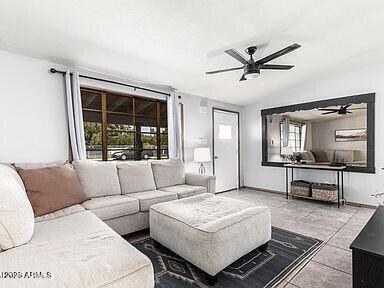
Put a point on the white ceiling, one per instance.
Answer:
(175, 42)
(316, 115)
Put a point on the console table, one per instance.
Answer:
(338, 169)
(368, 253)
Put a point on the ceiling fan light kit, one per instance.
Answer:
(251, 67)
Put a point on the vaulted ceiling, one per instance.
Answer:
(175, 42)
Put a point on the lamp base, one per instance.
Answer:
(202, 169)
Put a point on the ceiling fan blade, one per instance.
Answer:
(326, 109)
(236, 54)
(278, 53)
(326, 113)
(362, 108)
(223, 70)
(242, 78)
(276, 67)
(345, 107)
(349, 112)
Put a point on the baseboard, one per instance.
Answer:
(264, 190)
(281, 192)
(362, 205)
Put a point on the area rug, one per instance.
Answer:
(286, 251)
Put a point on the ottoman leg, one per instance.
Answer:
(212, 280)
(264, 247)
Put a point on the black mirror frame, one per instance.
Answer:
(368, 98)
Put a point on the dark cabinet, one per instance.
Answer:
(368, 253)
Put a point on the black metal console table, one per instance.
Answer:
(338, 169)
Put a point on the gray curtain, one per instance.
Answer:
(285, 121)
(174, 145)
(304, 137)
(75, 116)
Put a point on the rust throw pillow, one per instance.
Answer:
(52, 188)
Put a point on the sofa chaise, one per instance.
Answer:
(80, 246)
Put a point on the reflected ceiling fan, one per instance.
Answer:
(343, 110)
(251, 67)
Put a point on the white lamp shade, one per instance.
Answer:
(202, 155)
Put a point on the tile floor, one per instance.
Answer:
(331, 266)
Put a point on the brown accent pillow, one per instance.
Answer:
(52, 188)
(320, 156)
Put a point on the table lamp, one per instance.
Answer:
(202, 155)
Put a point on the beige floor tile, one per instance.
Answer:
(335, 257)
(322, 221)
(330, 266)
(339, 214)
(310, 230)
(344, 237)
(315, 275)
(289, 285)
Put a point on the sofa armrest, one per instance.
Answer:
(208, 181)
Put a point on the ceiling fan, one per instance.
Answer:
(343, 110)
(251, 67)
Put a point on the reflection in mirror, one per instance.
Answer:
(332, 135)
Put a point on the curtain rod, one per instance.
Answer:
(53, 70)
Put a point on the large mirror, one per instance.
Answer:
(330, 132)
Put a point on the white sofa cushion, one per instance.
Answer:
(135, 176)
(11, 171)
(210, 231)
(60, 213)
(168, 172)
(185, 190)
(109, 207)
(16, 214)
(148, 198)
(80, 251)
(98, 178)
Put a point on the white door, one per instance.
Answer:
(226, 141)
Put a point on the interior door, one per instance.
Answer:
(226, 150)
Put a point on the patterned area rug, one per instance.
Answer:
(286, 251)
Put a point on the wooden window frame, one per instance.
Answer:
(104, 120)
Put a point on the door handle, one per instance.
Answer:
(216, 157)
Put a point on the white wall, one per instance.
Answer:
(199, 125)
(33, 121)
(32, 111)
(359, 186)
(323, 135)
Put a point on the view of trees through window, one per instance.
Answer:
(124, 127)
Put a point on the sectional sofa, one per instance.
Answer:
(80, 246)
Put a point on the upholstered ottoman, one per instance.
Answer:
(210, 231)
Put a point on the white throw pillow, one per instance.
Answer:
(17, 221)
(168, 172)
(135, 177)
(98, 178)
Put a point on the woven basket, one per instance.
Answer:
(324, 192)
(301, 188)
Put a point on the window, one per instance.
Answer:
(225, 132)
(124, 127)
(294, 140)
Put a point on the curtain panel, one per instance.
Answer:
(174, 129)
(75, 116)
(285, 121)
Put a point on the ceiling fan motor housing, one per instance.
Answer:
(251, 70)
